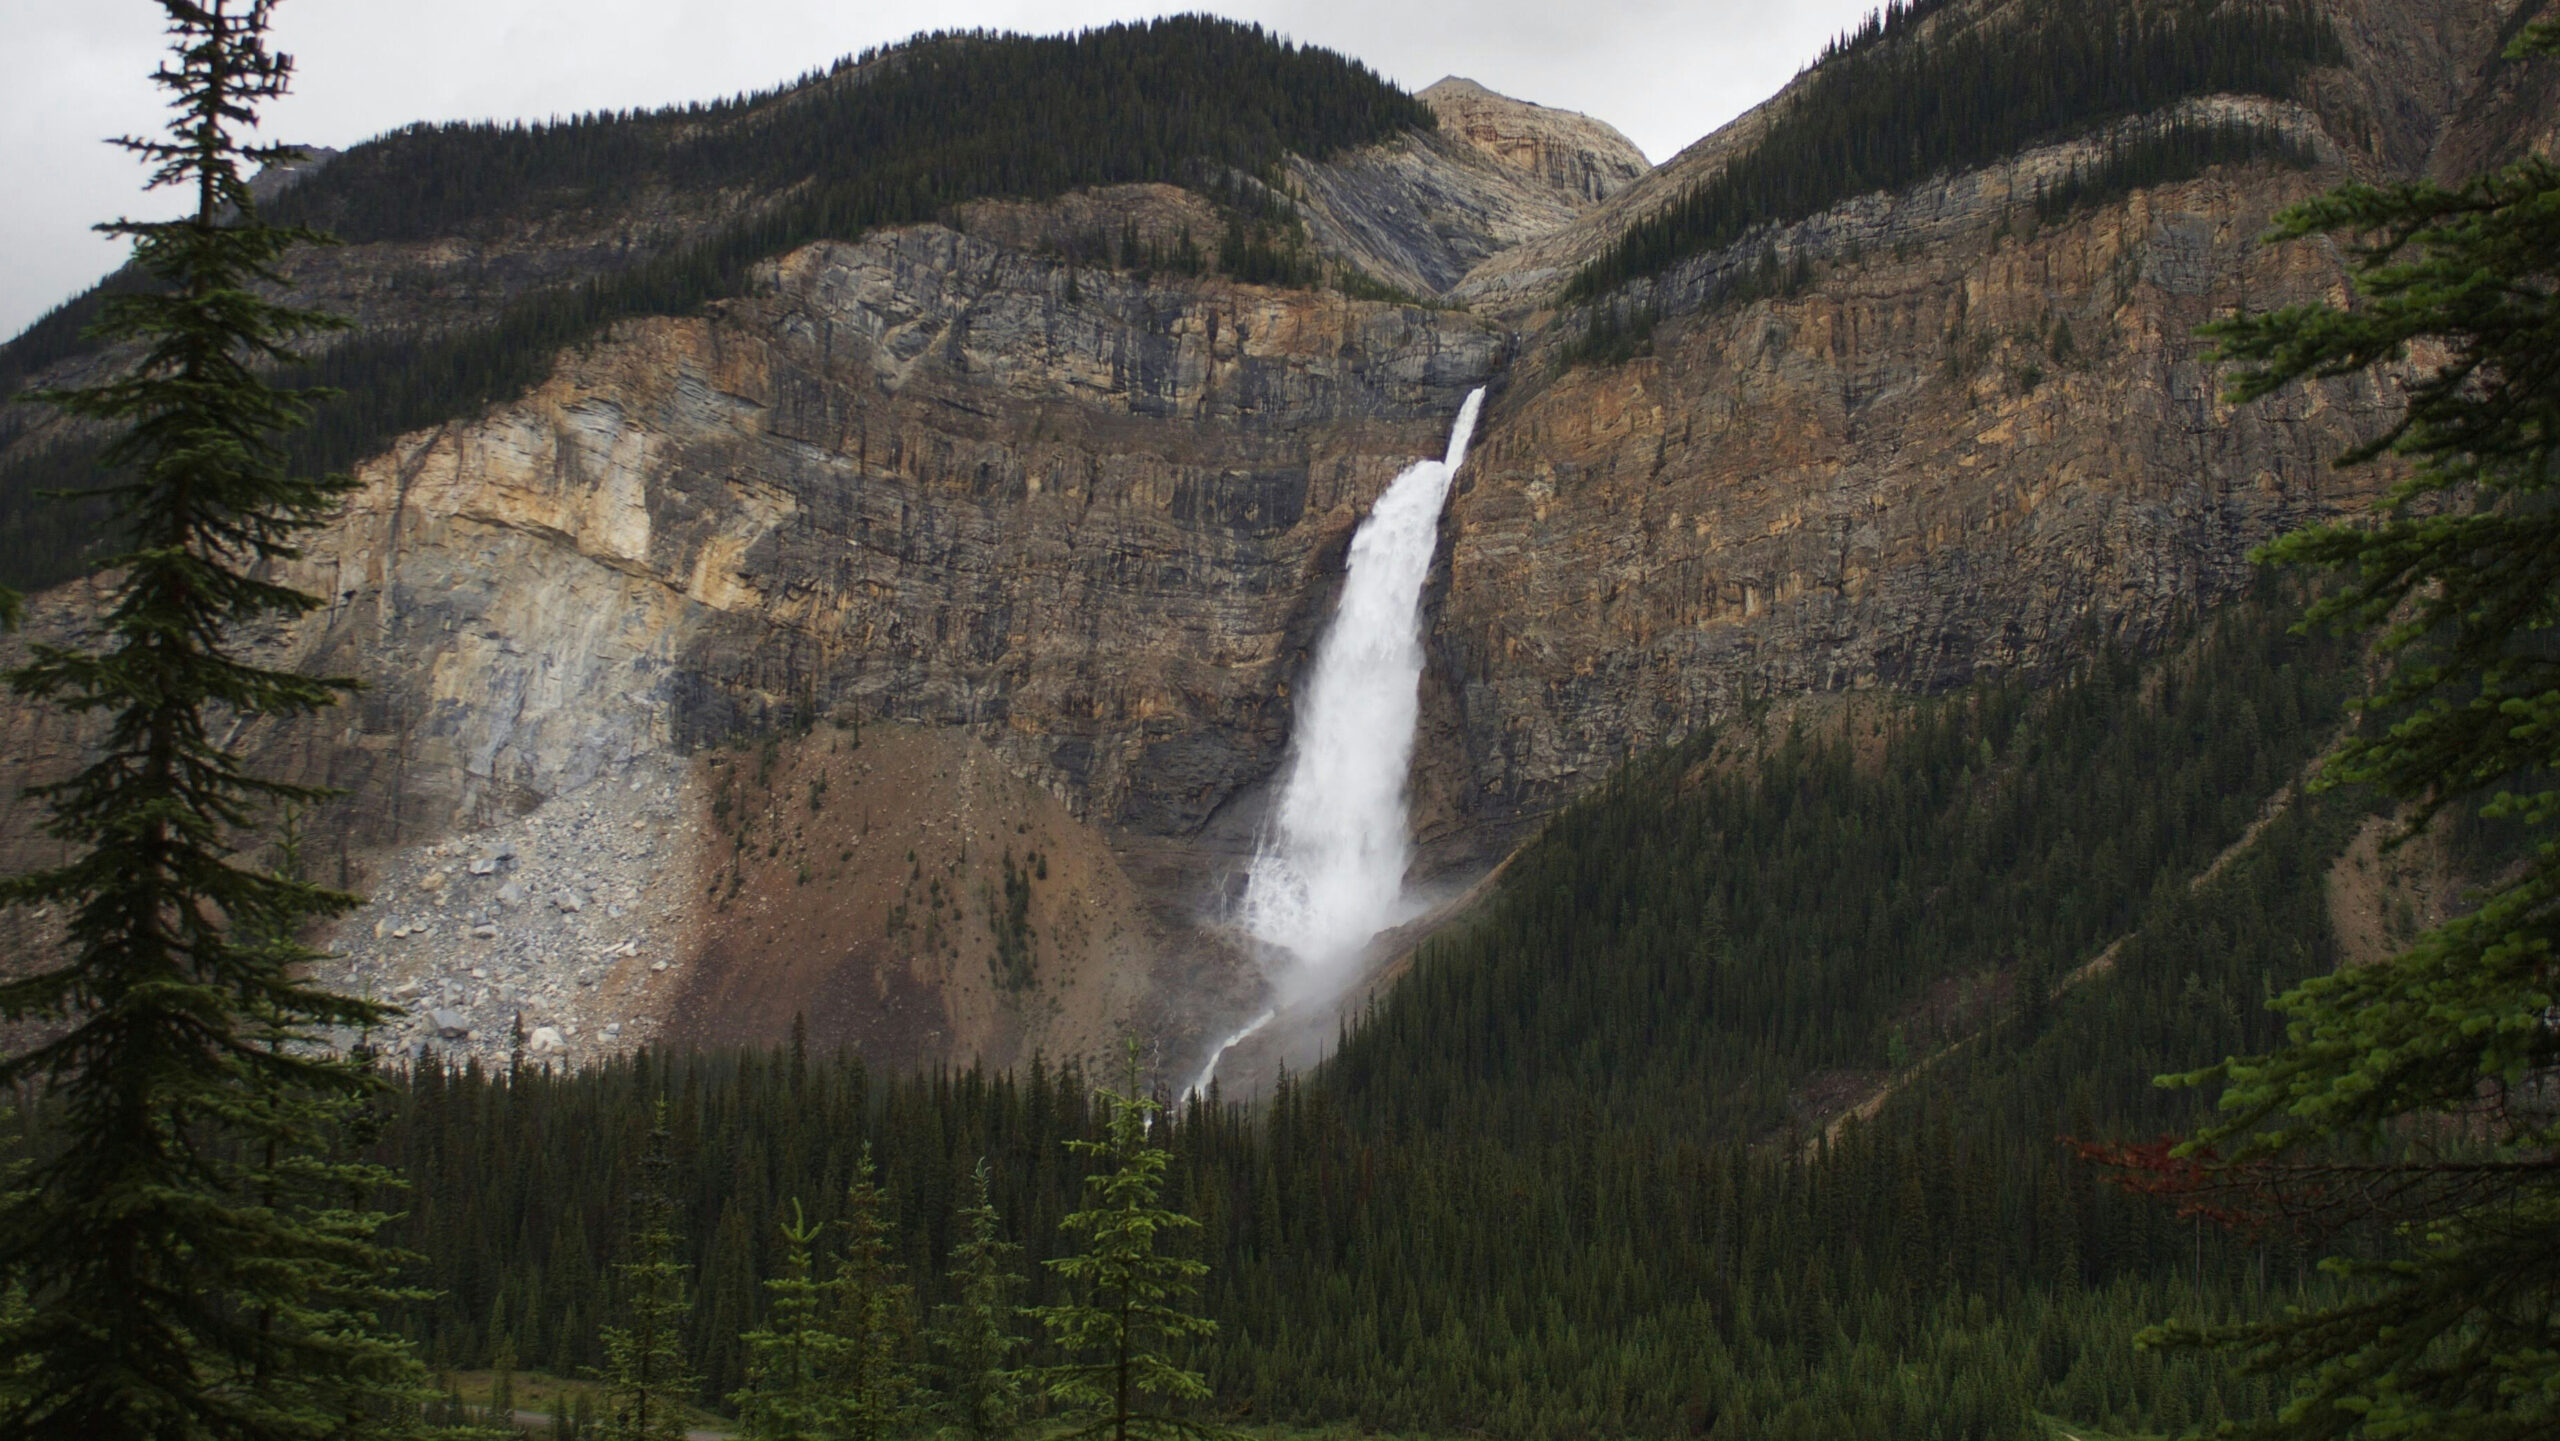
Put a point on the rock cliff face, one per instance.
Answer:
(1073, 531)
(1969, 445)
(914, 479)
(1988, 455)
(1571, 154)
(920, 479)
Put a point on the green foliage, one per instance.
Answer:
(875, 1386)
(646, 1382)
(894, 137)
(938, 119)
(194, 1250)
(572, 1418)
(829, 1364)
(502, 1387)
(2414, 1092)
(1564, 1182)
(1699, 937)
(1258, 253)
(787, 1356)
(1928, 91)
(974, 1332)
(1616, 333)
(1013, 965)
(1128, 1297)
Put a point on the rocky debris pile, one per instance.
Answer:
(553, 933)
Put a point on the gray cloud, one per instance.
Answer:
(1665, 73)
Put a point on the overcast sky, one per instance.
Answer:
(1663, 71)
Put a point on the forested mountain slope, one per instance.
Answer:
(1965, 84)
(752, 496)
(1844, 629)
(478, 250)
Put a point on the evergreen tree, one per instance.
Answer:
(874, 1386)
(1128, 1306)
(2413, 1096)
(645, 1377)
(572, 1417)
(502, 1387)
(195, 1262)
(1535, 1193)
(788, 1356)
(973, 1332)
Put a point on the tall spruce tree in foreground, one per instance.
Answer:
(973, 1334)
(646, 1383)
(830, 1363)
(2419, 1094)
(1128, 1298)
(194, 1263)
(874, 1388)
(789, 1356)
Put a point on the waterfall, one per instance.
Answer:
(1329, 874)
(1209, 1067)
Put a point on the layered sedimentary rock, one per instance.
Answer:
(1972, 441)
(924, 478)
(1567, 152)
(1980, 450)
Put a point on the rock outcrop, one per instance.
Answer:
(913, 479)
(1971, 443)
(1422, 212)
(1570, 153)
(1964, 451)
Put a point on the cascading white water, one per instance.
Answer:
(1209, 1067)
(1330, 872)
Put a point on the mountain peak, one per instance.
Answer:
(1563, 148)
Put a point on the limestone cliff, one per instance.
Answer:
(1970, 444)
(1570, 153)
(922, 479)
(1990, 453)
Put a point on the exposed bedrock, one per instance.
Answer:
(1989, 452)
(913, 479)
